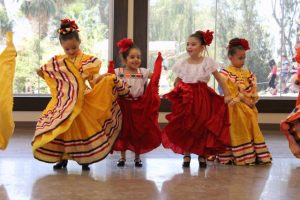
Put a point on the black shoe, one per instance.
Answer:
(61, 164)
(186, 163)
(202, 162)
(138, 162)
(85, 167)
(259, 162)
(121, 162)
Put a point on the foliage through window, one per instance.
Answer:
(271, 26)
(34, 24)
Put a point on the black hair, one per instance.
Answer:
(126, 53)
(234, 46)
(199, 36)
(68, 36)
(272, 62)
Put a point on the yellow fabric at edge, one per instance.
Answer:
(7, 70)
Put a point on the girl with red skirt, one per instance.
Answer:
(199, 121)
(140, 130)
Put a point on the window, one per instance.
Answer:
(34, 24)
(271, 27)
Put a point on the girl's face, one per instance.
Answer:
(71, 47)
(194, 47)
(238, 59)
(133, 60)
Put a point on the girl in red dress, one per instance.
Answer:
(140, 130)
(199, 121)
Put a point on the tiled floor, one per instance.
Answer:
(162, 177)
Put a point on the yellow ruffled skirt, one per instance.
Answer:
(247, 141)
(90, 129)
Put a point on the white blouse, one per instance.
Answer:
(193, 73)
(135, 81)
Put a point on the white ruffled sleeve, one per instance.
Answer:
(211, 65)
(177, 67)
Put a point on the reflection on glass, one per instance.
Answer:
(34, 24)
(271, 27)
(3, 193)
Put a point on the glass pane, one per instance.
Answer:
(262, 23)
(34, 24)
(181, 18)
(271, 27)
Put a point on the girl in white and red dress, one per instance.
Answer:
(199, 121)
(140, 130)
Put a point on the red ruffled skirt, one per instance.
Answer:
(140, 130)
(199, 121)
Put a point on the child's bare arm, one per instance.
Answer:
(96, 78)
(221, 81)
(177, 80)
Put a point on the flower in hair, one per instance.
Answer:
(71, 28)
(245, 44)
(207, 36)
(124, 44)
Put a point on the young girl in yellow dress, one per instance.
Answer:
(83, 119)
(247, 142)
(7, 66)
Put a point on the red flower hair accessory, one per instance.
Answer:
(245, 44)
(239, 42)
(297, 58)
(124, 44)
(207, 36)
(71, 28)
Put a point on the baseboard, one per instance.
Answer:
(27, 125)
(269, 127)
(263, 126)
